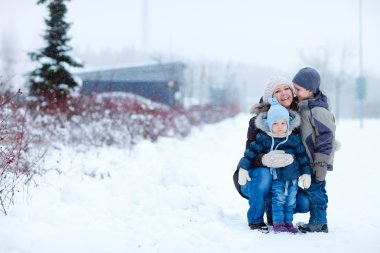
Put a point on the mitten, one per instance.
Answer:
(277, 159)
(304, 181)
(243, 176)
(320, 171)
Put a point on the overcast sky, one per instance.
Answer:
(270, 32)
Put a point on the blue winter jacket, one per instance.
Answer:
(293, 146)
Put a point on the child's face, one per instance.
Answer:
(284, 95)
(279, 126)
(302, 93)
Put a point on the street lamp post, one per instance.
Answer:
(360, 81)
(145, 25)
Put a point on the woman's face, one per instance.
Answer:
(284, 95)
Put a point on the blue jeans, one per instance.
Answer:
(303, 203)
(318, 199)
(284, 200)
(257, 191)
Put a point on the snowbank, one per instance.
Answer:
(178, 195)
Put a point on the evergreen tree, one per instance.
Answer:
(52, 79)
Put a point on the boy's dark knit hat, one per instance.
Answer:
(308, 78)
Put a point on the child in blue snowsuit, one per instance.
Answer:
(277, 134)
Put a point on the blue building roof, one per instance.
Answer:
(163, 72)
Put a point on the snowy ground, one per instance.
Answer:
(178, 196)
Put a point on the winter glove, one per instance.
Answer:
(243, 176)
(320, 171)
(304, 181)
(277, 159)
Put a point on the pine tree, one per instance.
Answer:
(52, 79)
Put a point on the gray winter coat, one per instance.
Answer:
(318, 134)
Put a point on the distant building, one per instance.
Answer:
(161, 82)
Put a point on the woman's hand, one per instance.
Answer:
(277, 159)
(243, 176)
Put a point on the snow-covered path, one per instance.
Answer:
(178, 196)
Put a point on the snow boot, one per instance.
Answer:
(280, 227)
(291, 228)
(262, 227)
(309, 228)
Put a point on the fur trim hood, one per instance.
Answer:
(260, 107)
(261, 119)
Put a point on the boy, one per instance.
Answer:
(277, 127)
(318, 137)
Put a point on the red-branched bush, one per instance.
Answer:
(27, 129)
(124, 119)
(17, 164)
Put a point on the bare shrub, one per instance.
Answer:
(17, 163)
(123, 119)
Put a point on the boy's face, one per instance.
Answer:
(302, 93)
(279, 127)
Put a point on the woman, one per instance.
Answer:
(257, 188)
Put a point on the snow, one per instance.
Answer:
(178, 196)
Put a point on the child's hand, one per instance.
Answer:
(304, 181)
(243, 176)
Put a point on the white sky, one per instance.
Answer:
(271, 32)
